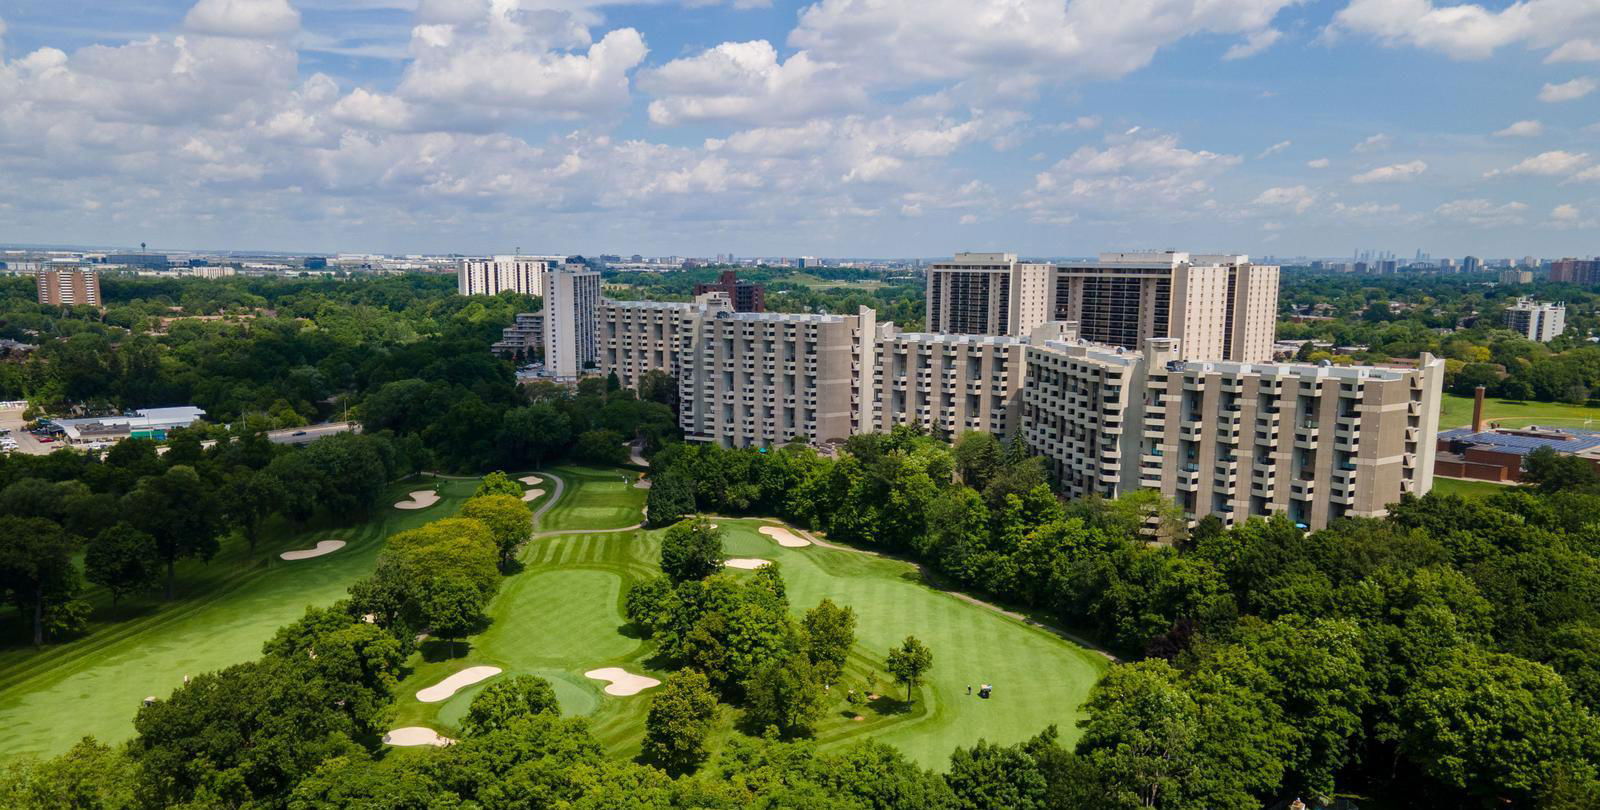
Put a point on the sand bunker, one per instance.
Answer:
(323, 547)
(785, 538)
(456, 683)
(623, 683)
(421, 499)
(531, 480)
(415, 735)
(745, 563)
(531, 494)
(642, 483)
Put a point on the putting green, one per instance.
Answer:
(226, 610)
(562, 616)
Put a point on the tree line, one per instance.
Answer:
(1443, 656)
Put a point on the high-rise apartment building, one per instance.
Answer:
(640, 336)
(520, 274)
(1516, 277)
(1232, 439)
(571, 308)
(751, 379)
(1222, 307)
(1575, 271)
(946, 384)
(68, 286)
(1536, 320)
(747, 296)
(987, 294)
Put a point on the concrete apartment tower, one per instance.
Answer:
(571, 322)
(1536, 320)
(987, 294)
(70, 286)
(522, 274)
(1221, 307)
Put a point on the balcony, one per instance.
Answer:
(1345, 496)
(1194, 384)
(1189, 477)
(1191, 431)
(1413, 408)
(1232, 385)
(1302, 489)
(1353, 391)
(1263, 489)
(1305, 438)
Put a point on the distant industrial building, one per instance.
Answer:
(140, 261)
(147, 423)
(1537, 321)
(747, 296)
(68, 286)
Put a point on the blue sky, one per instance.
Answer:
(831, 128)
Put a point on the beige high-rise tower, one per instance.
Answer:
(1222, 307)
(987, 294)
(71, 286)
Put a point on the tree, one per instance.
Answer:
(451, 606)
(648, 604)
(681, 717)
(509, 521)
(785, 693)
(830, 632)
(36, 567)
(908, 663)
(89, 776)
(1554, 472)
(656, 385)
(601, 447)
(180, 512)
(504, 701)
(691, 551)
(671, 497)
(498, 483)
(123, 560)
(977, 456)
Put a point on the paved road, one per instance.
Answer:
(310, 433)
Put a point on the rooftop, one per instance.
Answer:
(1526, 440)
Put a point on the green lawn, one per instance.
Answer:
(226, 610)
(609, 500)
(562, 616)
(1456, 411)
(1465, 488)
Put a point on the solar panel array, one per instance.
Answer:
(1523, 445)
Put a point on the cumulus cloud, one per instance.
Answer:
(1373, 143)
(1521, 129)
(1482, 213)
(1578, 50)
(1132, 173)
(745, 81)
(1319, 163)
(1253, 44)
(1564, 213)
(242, 18)
(1298, 198)
(1469, 30)
(1399, 172)
(1567, 91)
(1548, 164)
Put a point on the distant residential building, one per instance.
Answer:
(1471, 264)
(946, 384)
(640, 336)
(1575, 271)
(523, 337)
(747, 296)
(1536, 320)
(68, 286)
(212, 272)
(1516, 277)
(1223, 307)
(987, 294)
(571, 307)
(520, 274)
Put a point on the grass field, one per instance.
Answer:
(226, 610)
(1456, 411)
(1465, 488)
(562, 616)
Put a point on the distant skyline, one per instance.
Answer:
(827, 128)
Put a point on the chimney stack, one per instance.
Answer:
(1477, 409)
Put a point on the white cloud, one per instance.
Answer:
(745, 81)
(1521, 129)
(1469, 30)
(242, 18)
(1298, 198)
(1548, 164)
(376, 110)
(1253, 44)
(1373, 143)
(1482, 213)
(1564, 213)
(1150, 174)
(1578, 50)
(1399, 172)
(1011, 47)
(1365, 210)
(1567, 91)
(1589, 175)
(1275, 149)
(1319, 163)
